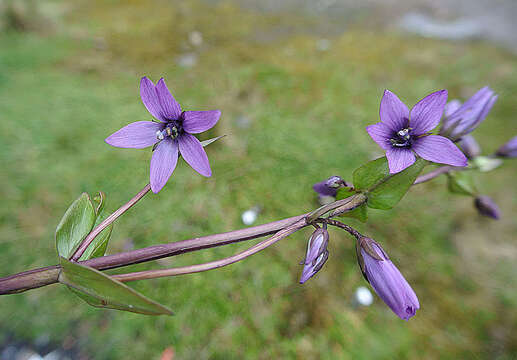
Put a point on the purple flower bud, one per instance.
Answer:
(461, 120)
(329, 187)
(317, 254)
(386, 279)
(487, 207)
(469, 146)
(509, 149)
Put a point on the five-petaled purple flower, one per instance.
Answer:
(386, 279)
(172, 134)
(402, 133)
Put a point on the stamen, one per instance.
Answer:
(159, 135)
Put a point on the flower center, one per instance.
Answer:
(401, 138)
(173, 129)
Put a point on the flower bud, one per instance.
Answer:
(469, 146)
(509, 149)
(461, 120)
(329, 187)
(386, 279)
(487, 207)
(317, 254)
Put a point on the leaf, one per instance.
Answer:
(387, 193)
(360, 213)
(343, 193)
(371, 174)
(100, 290)
(461, 182)
(100, 201)
(99, 245)
(209, 141)
(75, 225)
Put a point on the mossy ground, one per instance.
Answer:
(63, 92)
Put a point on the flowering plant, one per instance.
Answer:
(82, 235)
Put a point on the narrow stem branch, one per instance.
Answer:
(345, 227)
(435, 173)
(93, 234)
(153, 274)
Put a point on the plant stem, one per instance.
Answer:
(93, 234)
(153, 274)
(36, 278)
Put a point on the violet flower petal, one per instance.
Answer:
(195, 122)
(170, 108)
(194, 154)
(393, 112)
(451, 107)
(137, 135)
(381, 133)
(150, 98)
(439, 149)
(163, 163)
(426, 114)
(399, 159)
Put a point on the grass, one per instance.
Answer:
(62, 94)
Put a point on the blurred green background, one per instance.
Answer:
(295, 101)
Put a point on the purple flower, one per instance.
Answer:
(487, 207)
(172, 134)
(462, 119)
(469, 146)
(402, 133)
(509, 149)
(386, 279)
(317, 254)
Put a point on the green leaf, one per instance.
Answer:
(100, 201)
(360, 213)
(388, 192)
(100, 290)
(371, 174)
(99, 245)
(75, 225)
(343, 193)
(461, 182)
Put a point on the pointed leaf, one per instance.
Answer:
(99, 245)
(387, 193)
(100, 290)
(343, 193)
(360, 213)
(461, 182)
(99, 201)
(75, 225)
(371, 173)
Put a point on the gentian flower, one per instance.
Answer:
(462, 119)
(170, 135)
(469, 146)
(317, 254)
(329, 187)
(386, 279)
(509, 149)
(402, 133)
(487, 207)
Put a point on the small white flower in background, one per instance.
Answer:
(195, 38)
(250, 216)
(363, 296)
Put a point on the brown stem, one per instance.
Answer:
(153, 274)
(93, 234)
(35, 278)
